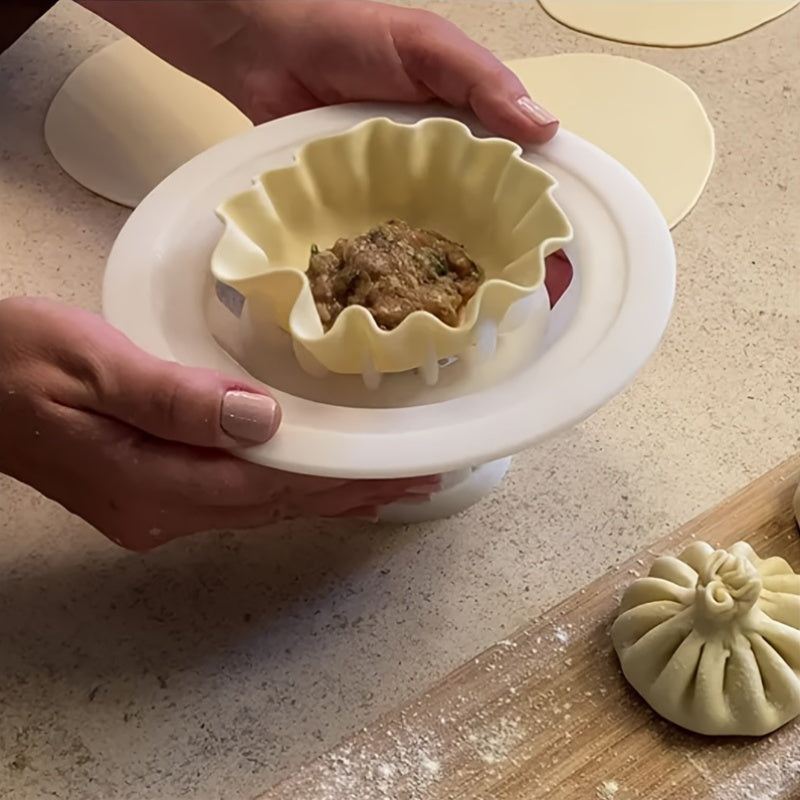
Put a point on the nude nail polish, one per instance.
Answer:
(539, 114)
(249, 417)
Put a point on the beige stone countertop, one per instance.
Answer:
(217, 665)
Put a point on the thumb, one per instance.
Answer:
(183, 404)
(456, 69)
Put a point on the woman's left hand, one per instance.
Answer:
(278, 57)
(351, 50)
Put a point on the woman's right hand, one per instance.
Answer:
(134, 444)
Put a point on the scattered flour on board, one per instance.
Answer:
(411, 767)
(357, 773)
(773, 776)
(607, 790)
(561, 635)
(495, 745)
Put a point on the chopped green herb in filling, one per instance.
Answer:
(393, 270)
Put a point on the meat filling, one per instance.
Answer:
(393, 270)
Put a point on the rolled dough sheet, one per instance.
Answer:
(647, 119)
(125, 119)
(668, 23)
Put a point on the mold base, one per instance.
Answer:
(462, 490)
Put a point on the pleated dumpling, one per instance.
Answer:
(711, 640)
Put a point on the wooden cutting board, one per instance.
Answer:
(547, 713)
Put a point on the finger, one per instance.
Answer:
(227, 519)
(194, 406)
(357, 495)
(183, 404)
(221, 480)
(203, 477)
(368, 513)
(342, 500)
(456, 69)
(414, 499)
(352, 499)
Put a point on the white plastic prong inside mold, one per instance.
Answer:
(485, 342)
(308, 362)
(518, 313)
(370, 375)
(430, 369)
(234, 309)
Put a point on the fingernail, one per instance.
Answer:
(539, 114)
(249, 417)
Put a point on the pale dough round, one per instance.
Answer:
(125, 119)
(668, 23)
(647, 119)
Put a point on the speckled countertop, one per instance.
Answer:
(214, 667)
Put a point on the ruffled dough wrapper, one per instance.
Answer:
(434, 174)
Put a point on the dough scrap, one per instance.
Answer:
(647, 119)
(669, 23)
(711, 640)
(125, 119)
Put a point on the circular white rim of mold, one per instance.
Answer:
(158, 290)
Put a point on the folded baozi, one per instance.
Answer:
(711, 640)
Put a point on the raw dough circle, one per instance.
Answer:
(125, 119)
(647, 119)
(670, 23)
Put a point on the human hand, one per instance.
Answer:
(349, 50)
(278, 57)
(133, 444)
